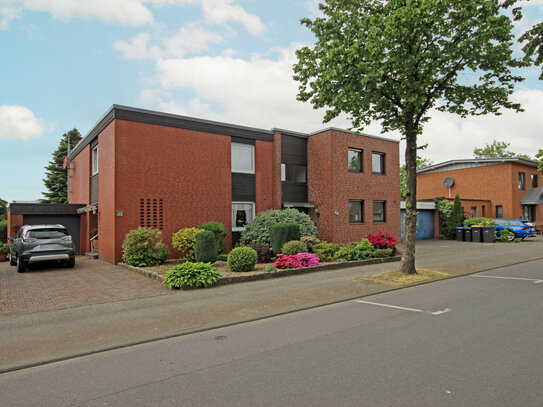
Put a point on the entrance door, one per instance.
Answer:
(528, 212)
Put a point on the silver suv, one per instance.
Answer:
(39, 243)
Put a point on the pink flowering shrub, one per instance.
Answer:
(307, 259)
(286, 262)
(382, 241)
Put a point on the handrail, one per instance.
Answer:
(94, 237)
(92, 240)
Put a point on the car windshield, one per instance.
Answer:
(47, 233)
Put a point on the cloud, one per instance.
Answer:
(222, 11)
(8, 12)
(20, 123)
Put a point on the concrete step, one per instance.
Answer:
(92, 255)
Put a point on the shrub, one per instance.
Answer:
(281, 233)
(258, 230)
(184, 241)
(325, 251)
(242, 259)
(219, 231)
(507, 235)
(263, 252)
(294, 247)
(383, 252)
(222, 257)
(192, 275)
(310, 241)
(364, 245)
(479, 221)
(344, 253)
(363, 254)
(205, 248)
(143, 247)
(3, 230)
(307, 259)
(287, 262)
(270, 269)
(4, 248)
(382, 241)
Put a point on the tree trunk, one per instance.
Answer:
(407, 263)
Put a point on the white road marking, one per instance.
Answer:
(535, 280)
(404, 308)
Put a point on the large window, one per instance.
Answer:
(242, 213)
(243, 158)
(534, 180)
(294, 173)
(356, 211)
(521, 180)
(499, 211)
(378, 163)
(94, 161)
(379, 211)
(355, 160)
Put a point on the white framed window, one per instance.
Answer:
(379, 211)
(243, 158)
(378, 163)
(242, 213)
(94, 161)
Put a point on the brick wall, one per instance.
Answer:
(264, 172)
(80, 177)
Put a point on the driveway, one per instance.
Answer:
(42, 288)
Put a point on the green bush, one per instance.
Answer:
(143, 247)
(281, 233)
(325, 251)
(310, 241)
(479, 221)
(4, 248)
(222, 257)
(242, 259)
(270, 269)
(191, 274)
(219, 231)
(184, 241)
(258, 230)
(364, 245)
(3, 230)
(507, 235)
(451, 216)
(294, 247)
(205, 248)
(345, 253)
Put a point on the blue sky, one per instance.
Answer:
(65, 62)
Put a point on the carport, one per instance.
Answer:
(20, 214)
(427, 220)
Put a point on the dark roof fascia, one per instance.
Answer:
(479, 160)
(43, 209)
(133, 114)
(355, 133)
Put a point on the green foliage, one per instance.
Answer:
(205, 248)
(310, 241)
(191, 274)
(3, 230)
(394, 61)
(55, 175)
(263, 252)
(479, 221)
(516, 240)
(270, 269)
(3, 209)
(4, 248)
(222, 257)
(325, 250)
(258, 230)
(421, 163)
(143, 247)
(345, 253)
(364, 245)
(184, 241)
(242, 259)
(498, 149)
(539, 156)
(219, 231)
(533, 39)
(507, 235)
(294, 247)
(280, 233)
(451, 216)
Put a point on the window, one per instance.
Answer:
(534, 180)
(94, 161)
(355, 160)
(294, 173)
(484, 211)
(356, 211)
(242, 213)
(379, 210)
(378, 163)
(242, 156)
(521, 180)
(474, 211)
(499, 211)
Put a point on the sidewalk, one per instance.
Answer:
(33, 338)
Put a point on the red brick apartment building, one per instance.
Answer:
(489, 187)
(144, 168)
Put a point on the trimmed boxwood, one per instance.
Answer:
(280, 233)
(205, 248)
(242, 259)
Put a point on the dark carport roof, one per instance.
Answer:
(533, 196)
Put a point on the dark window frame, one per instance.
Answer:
(381, 163)
(534, 180)
(499, 211)
(360, 154)
(297, 170)
(522, 181)
(361, 202)
(384, 208)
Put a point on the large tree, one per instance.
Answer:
(392, 61)
(55, 174)
(3, 209)
(421, 163)
(498, 149)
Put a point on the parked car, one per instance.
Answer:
(521, 228)
(40, 243)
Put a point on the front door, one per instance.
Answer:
(528, 212)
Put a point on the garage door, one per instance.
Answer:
(425, 224)
(71, 222)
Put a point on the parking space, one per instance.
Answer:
(48, 287)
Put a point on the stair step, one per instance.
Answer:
(92, 255)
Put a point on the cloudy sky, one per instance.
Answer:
(65, 62)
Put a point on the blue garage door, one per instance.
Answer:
(425, 224)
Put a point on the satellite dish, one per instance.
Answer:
(448, 182)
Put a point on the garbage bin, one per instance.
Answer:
(460, 234)
(467, 234)
(476, 234)
(489, 234)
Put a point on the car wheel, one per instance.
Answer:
(20, 265)
(12, 260)
(511, 238)
(70, 263)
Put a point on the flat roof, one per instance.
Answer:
(474, 162)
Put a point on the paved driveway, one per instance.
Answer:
(42, 288)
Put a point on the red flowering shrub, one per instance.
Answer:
(287, 262)
(307, 259)
(382, 241)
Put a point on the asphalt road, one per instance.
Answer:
(469, 341)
